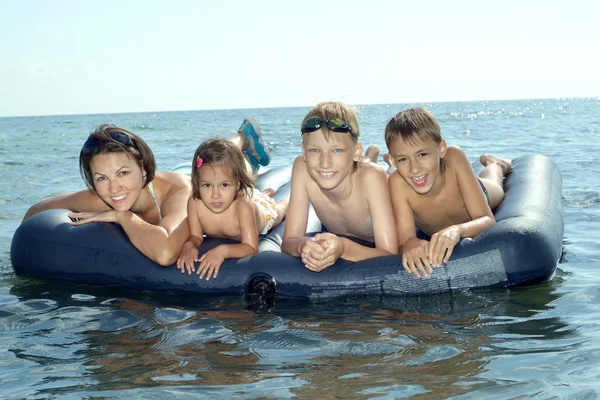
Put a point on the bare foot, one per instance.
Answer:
(269, 192)
(388, 159)
(372, 153)
(505, 165)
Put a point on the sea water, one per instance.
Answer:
(65, 340)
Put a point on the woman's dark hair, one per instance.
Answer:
(108, 138)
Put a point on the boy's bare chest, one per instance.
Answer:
(350, 217)
(433, 213)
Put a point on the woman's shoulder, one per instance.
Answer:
(174, 179)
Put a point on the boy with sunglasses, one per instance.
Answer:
(349, 194)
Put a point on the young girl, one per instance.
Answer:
(225, 203)
(436, 190)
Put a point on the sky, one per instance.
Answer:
(62, 57)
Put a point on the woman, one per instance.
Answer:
(119, 170)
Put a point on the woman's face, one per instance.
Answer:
(118, 179)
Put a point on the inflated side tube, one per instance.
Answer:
(522, 248)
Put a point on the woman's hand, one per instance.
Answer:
(81, 218)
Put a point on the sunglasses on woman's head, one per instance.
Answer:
(334, 124)
(93, 143)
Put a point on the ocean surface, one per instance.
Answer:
(63, 340)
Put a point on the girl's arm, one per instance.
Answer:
(249, 240)
(162, 243)
(210, 262)
(82, 200)
(414, 250)
(442, 243)
(189, 252)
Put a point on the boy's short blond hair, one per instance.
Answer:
(328, 110)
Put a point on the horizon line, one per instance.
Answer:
(300, 106)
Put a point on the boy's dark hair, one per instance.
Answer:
(108, 138)
(219, 151)
(411, 125)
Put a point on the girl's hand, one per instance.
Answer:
(415, 258)
(94, 216)
(311, 252)
(442, 244)
(211, 262)
(333, 248)
(187, 257)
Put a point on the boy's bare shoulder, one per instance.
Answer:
(398, 185)
(299, 168)
(455, 151)
(371, 173)
(456, 159)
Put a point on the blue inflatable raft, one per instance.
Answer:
(522, 248)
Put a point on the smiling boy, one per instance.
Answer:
(350, 195)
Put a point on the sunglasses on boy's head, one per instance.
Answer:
(93, 143)
(334, 124)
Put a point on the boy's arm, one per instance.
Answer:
(375, 183)
(414, 250)
(472, 194)
(296, 217)
(441, 244)
(405, 222)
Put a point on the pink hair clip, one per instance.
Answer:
(199, 162)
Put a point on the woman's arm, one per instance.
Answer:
(162, 243)
(82, 200)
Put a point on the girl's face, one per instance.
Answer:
(217, 188)
(329, 163)
(118, 180)
(418, 163)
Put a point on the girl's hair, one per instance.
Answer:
(328, 110)
(108, 138)
(413, 125)
(219, 151)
